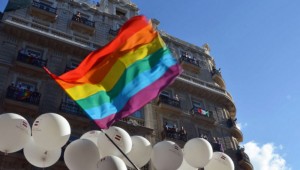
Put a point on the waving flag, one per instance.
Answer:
(123, 76)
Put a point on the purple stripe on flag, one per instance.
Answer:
(142, 97)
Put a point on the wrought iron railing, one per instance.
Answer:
(217, 147)
(68, 68)
(113, 32)
(173, 133)
(44, 7)
(169, 101)
(133, 121)
(216, 72)
(189, 60)
(23, 95)
(29, 59)
(71, 108)
(242, 156)
(231, 123)
(83, 20)
(205, 84)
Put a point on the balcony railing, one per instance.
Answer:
(205, 84)
(189, 60)
(169, 101)
(173, 133)
(44, 7)
(83, 20)
(28, 59)
(231, 123)
(50, 33)
(217, 147)
(113, 32)
(68, 68)
(133, 121)
(23, 95)
(235, 131)
(242, 156)
(216, 72)
(71, 108)
(206, 115)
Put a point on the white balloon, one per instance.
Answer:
(51, 131)
(166, 155)
(111, 163)
(186, 166)
(15, 132)
(40, 157)
(92, 135)
(220, 161)
(140, 153)
(121, 139)
(197, 152)
(81, 154)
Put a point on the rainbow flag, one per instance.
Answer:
(123, 76)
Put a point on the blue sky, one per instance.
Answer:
(257, 46)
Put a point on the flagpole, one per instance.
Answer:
(120, 150)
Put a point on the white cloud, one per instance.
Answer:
(265, 157)
(241, 125)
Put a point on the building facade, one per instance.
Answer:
(60, 33)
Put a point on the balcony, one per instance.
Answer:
(68, 68)
(236, 132)
(43, 11)
(82, 25)
(23, 95)
(31, 60)
(206, 90)
(173, 134)
(217, 77)
(189, 63)
(71, 108)
(243, 159)
(217, 147)
(134, 125)
(113, 32)
(23, 28)
(133, 121)
(202, 115)
(168, 103)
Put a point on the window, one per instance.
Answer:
(69, 100)
(34, 52)
(74, 64)
(82, 15)
(138, 114)
(24, 85)
(117, 26)
(170, 123)
(46, 2)
(186, 54)
(120, 12)
(206, 134)
(197, 104)
(165, 93)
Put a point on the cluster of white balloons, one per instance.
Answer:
(137, 148)
(50, 132)
(197, 153)
(95, 151)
